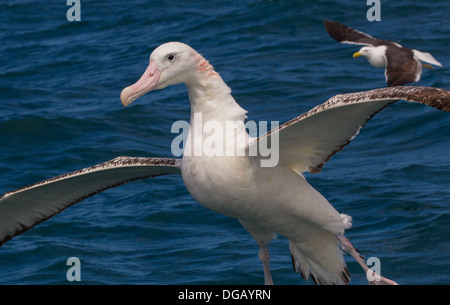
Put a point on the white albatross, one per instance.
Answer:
(266, 200)
(402, 65)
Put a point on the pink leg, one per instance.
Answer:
(374, 278)
(264, 257)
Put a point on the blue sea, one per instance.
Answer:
(60, 111)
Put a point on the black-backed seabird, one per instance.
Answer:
(402, 65)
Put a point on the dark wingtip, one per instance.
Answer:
(437, 98)
(293, 264)
(345, 276)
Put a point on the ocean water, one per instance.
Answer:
(60, 111)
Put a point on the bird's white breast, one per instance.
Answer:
(376, 57)
(277, 197)
(219, 183)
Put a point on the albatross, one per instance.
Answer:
(402, 65)
(266, 200)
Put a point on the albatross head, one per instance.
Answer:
(171, 63)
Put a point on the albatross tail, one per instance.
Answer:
(320, 257)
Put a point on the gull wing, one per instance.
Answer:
(307, 142)
(345, 34)
(401, 67)
(22, 209)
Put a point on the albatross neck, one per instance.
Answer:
(210, 96)
(214, 102)
(213, 111)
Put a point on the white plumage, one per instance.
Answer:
(266, 200)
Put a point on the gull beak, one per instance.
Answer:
(148, 82)
(357, 54)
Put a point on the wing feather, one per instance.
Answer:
(22, 209)
(308, 141)
(401, 67)
(345, 34)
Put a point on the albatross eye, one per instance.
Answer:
(171, 57)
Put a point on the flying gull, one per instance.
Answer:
(402, 65)
(266, 200)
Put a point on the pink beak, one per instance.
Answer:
(148, 81)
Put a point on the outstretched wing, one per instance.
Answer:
(346, 34)
(22, 209)
(307, 142)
